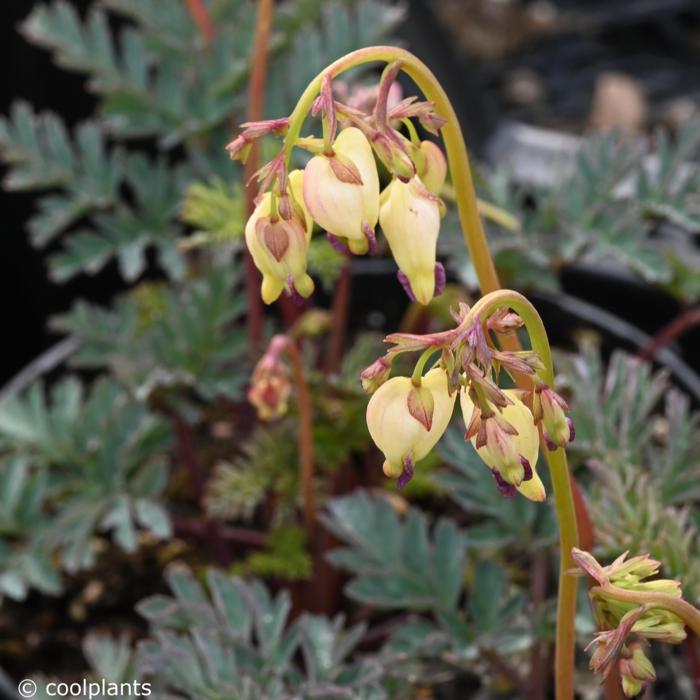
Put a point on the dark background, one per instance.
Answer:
(656, 42)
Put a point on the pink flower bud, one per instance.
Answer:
(395, 429)
(434, 170)
(410, 218)
(338, 200)
(549, 407)
(270, 384)
(375, 375)
(507, 441)
(636, 670)
(279, 248)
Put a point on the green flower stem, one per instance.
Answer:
(475, 239)
(561, 485)
(420, 365)
(687, 612)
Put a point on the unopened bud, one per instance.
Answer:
(507, 442)
(635, 663)
(393, 155)
(504, 321)
(549, 408)
(434, 167)
(376, 374)
(270, 385)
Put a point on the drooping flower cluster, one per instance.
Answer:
(626, 627)
(407, 416)
(339, 189)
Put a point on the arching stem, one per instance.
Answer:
(455, 147)
(475, 239)
(561, 485)
(688, 613)
(420, 365)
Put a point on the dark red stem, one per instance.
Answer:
(339, 319)
(202, 529)
(690, 647)
(676, 328)
(538, 665)
(201, 16)
(188, 455)
(256, 97)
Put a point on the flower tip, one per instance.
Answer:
(358, 246)
(533, 489)
(270, 289)
(391, 470)
(304, 286)
(423, 286)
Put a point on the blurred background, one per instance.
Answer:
(131, 461)
(569, 68)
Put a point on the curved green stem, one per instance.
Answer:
(420, 365)
(687, 612)
(561, 485)
(451, 132)
(475, 239)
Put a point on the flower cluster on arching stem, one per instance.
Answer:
(407, 416)
(339, 189)
(625, 627)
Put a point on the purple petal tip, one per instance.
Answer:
(440, 278)
(406, 285)
(336, 243)
(527, 469)
(551, 446)
(296, 298)
(572, 430)
(505, 489)
(406, 475)
(371, 238)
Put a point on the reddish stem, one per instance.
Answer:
(586, 531)
(690, 647)
(339, 318)
(502, 666)
(306, 439)
(201, 17)
(202, 529)
(538, 667)
(676, 328)
(188, 455)
(256, 97)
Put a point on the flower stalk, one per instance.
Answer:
(256, 96)
(412, 410)
(269, 392)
